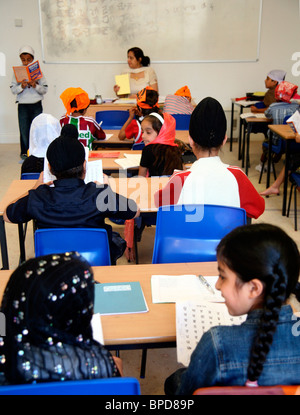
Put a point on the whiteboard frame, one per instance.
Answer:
(157, 61)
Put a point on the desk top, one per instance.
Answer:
(108, 163)
(159, 324)
(182, 135)
(284, 130)
(140, 189)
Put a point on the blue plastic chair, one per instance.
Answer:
(182, 121)
(109, 386)
(191, 233)
(138, 146)
(91, 243)
(30, 176)
(295, 181)
(112, 120)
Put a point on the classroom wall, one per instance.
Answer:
(280, 39)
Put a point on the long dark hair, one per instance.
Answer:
(169, 156)
(267, 253)
(138, 53)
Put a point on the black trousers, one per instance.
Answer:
(26, 113)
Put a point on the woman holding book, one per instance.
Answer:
(140, 73)
(29, 96)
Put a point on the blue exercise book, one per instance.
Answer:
(119, 298)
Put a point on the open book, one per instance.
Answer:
(31, 72)
(252, 114)
(174, 288)
(129, 161)
(193, 320)
(294, 122)
(94, 170)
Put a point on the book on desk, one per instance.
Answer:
(119, 298)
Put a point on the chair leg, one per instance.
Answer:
(143, 363)
(290, 199)
(274, 171)
(295, 206)
(262, 171)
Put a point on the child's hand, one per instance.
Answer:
(297, 138)
(32, 84)
(253, 108)
(132, 112)
(24, 84)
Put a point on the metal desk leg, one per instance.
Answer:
(269, 158)
(240, 134)
(243, 143)
(286, 176)
(231, 125)
(21, 242)
(3, 243)
(249, 129)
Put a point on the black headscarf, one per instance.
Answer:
(48, 306)
(208, 124)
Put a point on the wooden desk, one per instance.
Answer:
(285, 132)
(93, 108)
(246, 141)
(109, 164)
(16, 189)
(156, 328)
(114, 142)
(140, 189)
(242, 104)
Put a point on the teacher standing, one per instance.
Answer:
(140, 73)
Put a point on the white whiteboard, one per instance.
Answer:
(92, 31)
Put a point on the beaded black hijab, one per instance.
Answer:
(48, 306)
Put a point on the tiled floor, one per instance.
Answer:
(160, 362)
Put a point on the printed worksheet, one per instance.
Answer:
(193, 320)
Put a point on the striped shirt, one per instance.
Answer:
(88, 129)
(175, 104)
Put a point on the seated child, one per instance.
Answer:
(161, 155)
(272, 80)
(44, 129)
(180, 102)
(71, 202)
(76, 102)
(209, 180)
(146, 102)
(258, 271)
(48, 306)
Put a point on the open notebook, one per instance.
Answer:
(94, 170)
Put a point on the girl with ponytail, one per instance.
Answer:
(258, 273)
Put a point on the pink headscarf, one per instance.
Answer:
(167, 133)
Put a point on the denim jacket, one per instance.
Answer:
(222, 355)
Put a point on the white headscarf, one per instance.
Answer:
(44, 129)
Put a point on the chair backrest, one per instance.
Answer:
(244, 390)
(191, 233)
(30, 176)
(91, 243)
(138, 146)
(109, 386)
(112, 119)
(182, 121)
